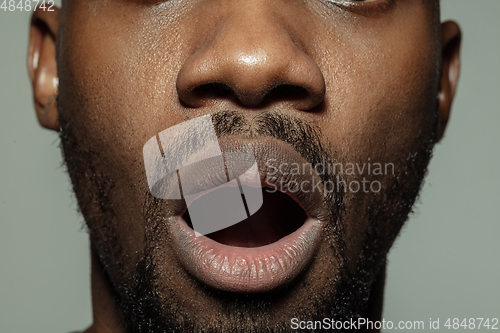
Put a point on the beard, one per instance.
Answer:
(147, 303)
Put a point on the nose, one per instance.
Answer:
(251, 58)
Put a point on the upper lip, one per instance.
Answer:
(275, 160)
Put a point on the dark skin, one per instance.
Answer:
(376, 78)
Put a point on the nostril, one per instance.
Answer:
(287, 92)
(281, 93)
(213, 90)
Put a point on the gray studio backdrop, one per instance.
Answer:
(445, 264)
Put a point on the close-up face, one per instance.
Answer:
(360, 88)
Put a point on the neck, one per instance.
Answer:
(375, 303)
(105, 313)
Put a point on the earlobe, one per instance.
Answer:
(451, 38)
(42, 66)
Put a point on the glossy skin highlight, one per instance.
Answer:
(377, 78)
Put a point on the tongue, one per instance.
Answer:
(278, 217)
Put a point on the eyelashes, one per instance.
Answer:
(363, 6)
(354, 2)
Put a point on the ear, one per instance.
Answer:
(451, 38)
(42, 66)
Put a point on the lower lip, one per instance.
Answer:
(246, 270)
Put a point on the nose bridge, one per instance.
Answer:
(254, 16)
(256, 25)
(254, 46)
(252, 25)
(251, 51)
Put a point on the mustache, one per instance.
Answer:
(306, 138)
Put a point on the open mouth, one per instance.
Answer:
(268, 247)
(278, 217)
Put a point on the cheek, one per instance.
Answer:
(117, 90)
(382, 88)
(118, 81)
(380, 107)
(119, 74)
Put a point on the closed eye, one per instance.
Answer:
(364, 6)
(355, 2)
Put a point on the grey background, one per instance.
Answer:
(445, 263)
